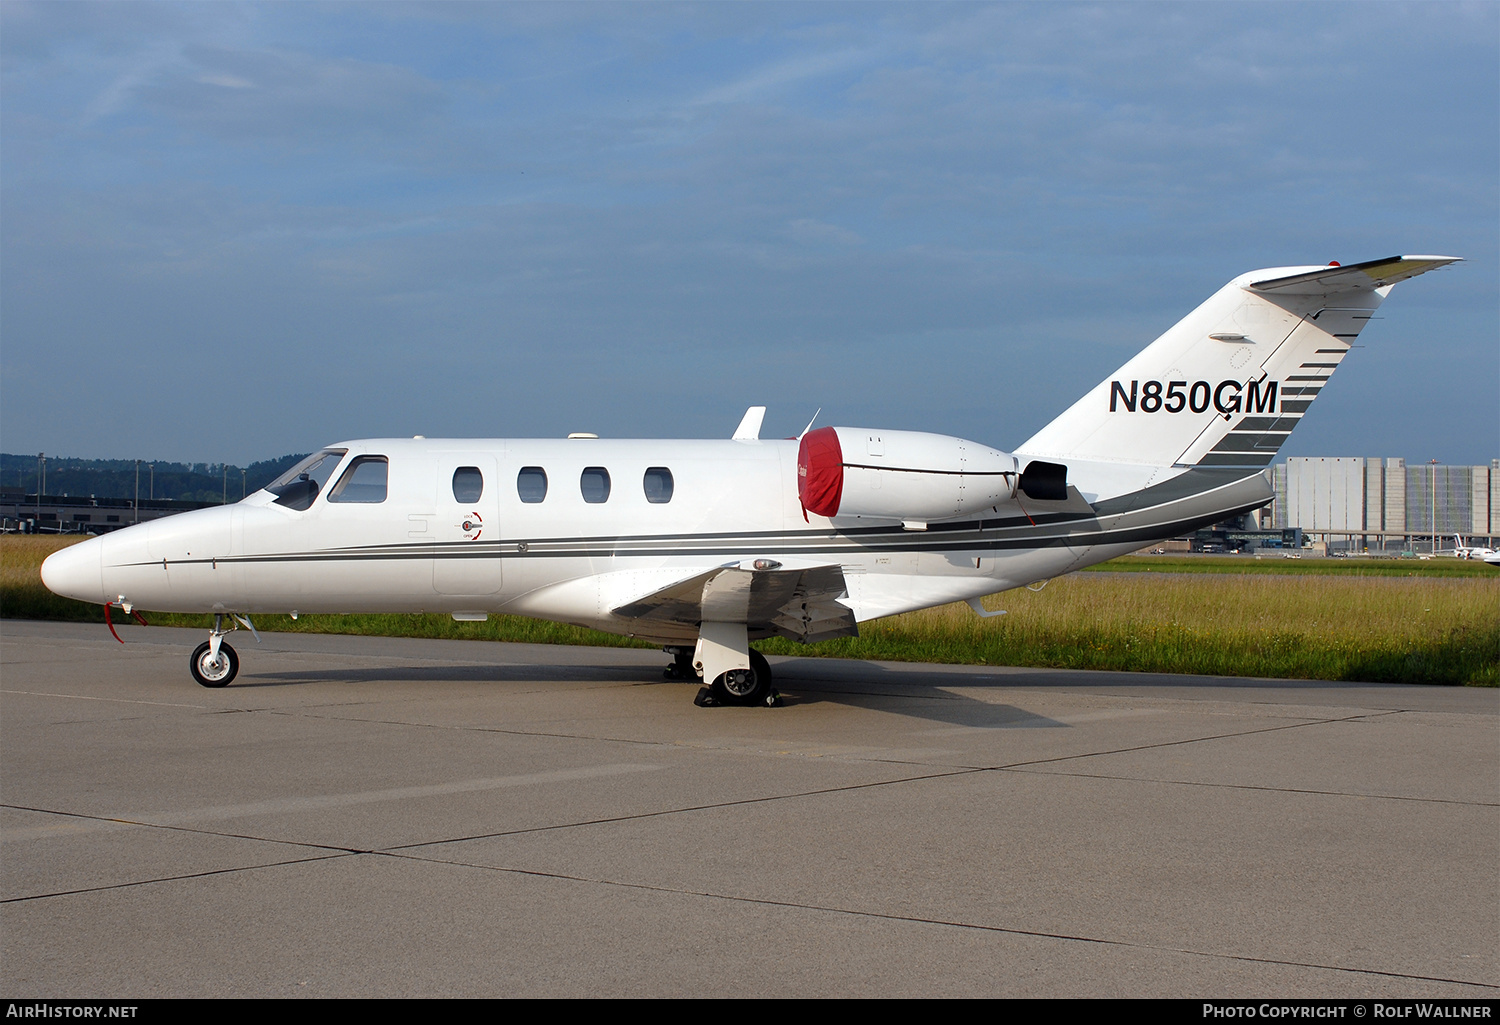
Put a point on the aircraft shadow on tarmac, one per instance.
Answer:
(935, 693)
(908, 691)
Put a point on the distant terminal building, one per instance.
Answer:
(27, 513)
(1379, 504)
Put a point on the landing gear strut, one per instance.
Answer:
(214, 663)
(681, 667)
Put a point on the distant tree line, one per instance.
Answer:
(115, 478)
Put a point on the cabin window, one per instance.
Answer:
(364, 482)
(297, 488)
(468, 484)
(658, 485)
(594, 484)
(531, 484)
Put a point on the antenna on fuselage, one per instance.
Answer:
(810, 423)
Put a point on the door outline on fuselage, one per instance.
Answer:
(466, 550)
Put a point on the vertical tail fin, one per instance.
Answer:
(1226, 384)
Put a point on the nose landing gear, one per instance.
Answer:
(214, 663)
(214, 668)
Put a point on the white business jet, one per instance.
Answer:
(705, 546)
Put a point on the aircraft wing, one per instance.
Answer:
(801, 604)
(1370, 274)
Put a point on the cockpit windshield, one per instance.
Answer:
(297, 488)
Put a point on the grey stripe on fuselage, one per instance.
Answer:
(1195, 482)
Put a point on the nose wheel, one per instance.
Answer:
(214, 668)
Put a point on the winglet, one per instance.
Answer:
(749, 428)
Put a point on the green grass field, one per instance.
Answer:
(1404, 621)
(1273, 562)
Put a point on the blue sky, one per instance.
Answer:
(231, 231)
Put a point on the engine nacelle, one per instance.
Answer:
(900, 475)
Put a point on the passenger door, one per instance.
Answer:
(466, 557)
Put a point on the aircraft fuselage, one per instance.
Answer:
(576, 552)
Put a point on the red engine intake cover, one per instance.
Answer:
(820, 471)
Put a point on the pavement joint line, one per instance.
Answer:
(1105, 691)
(398, 853)
(670, 745)
(194, 818)
(636, 816)
(1188, 740)
(461, 727)
(337, 850)
(90, 697)
(657, 743)
(961, 771)
(889, 761)
(943, 923)
(207, 873)
(1273, 790)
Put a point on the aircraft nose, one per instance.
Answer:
(75, 571)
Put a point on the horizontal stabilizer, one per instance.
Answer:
(1371, 274)
(800, 604)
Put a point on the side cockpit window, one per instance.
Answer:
(364, 482)
(299, 486)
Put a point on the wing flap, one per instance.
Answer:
(800, 604)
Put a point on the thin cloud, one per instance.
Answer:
(227, 81)
(782, 74)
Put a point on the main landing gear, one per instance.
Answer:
(214, 663)
(746, 684)
(741, 686)
(681, 666)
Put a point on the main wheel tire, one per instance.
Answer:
(745, 686)
(210, 673)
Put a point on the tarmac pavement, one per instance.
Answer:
(362, 816)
